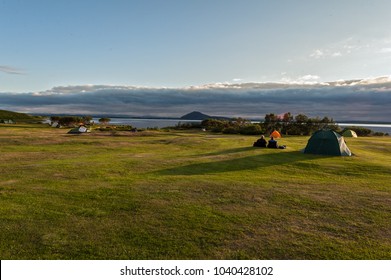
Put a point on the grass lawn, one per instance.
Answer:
(189, 195)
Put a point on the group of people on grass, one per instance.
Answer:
(272, 143)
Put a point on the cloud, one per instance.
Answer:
(306, 80)
(385, 50)
(326, 53)
(317, 54)
(353, 47)
(385, 80)
(10, 70)
(361, 99)
(309, 78)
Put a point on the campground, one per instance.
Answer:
(189, 195)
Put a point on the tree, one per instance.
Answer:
(240, 122)
(104, 120)
(69, 121)
(301, 119)
(287, 118)
(86, 119)
(272, 122)
(271, 118)
(54, 119)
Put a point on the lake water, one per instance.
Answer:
(145, 123)
(159, 123)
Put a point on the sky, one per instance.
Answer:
(166, 57)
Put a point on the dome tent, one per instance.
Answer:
(327, 142)
(349, 133)
(275, 134)
(79, 130)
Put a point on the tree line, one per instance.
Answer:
(70, 121)
(287, 124)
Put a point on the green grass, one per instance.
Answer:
(189, 195)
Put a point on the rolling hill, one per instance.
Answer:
(18, 117)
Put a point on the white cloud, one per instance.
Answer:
(309, 78)
(349, 46)
(300, 81)
(317, 54)
(385, 50)
(325, 53)
(376, 80)
(10, 70)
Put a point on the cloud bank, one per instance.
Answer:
(361, 99)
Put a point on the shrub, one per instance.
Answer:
(230, 130)
(252, 129)
(187, 125)
(379, 134)
(360, 131)
(104, 120)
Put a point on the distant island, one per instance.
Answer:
(195, 115)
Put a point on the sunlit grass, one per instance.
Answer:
(189, 195)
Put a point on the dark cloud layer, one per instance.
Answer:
(366, 100)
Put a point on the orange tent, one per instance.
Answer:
(275, 134)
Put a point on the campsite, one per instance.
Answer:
(189, 195)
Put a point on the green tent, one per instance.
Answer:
(349, 133)
(327, 142)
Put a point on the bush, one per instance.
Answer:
(252, 129)
(380, 134)
(360, 131)
(215, 125)
(187, 125)
(216, 129)
(230, 130)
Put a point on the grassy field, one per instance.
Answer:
(189, 195)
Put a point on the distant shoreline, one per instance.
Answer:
(349, 122)
(164, 122)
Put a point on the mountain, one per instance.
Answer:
(195, 115)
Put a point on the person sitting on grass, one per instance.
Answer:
(261, 142)
(273, 144)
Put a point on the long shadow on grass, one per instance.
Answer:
(32, 126)
(229, 151)
(238, 164)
